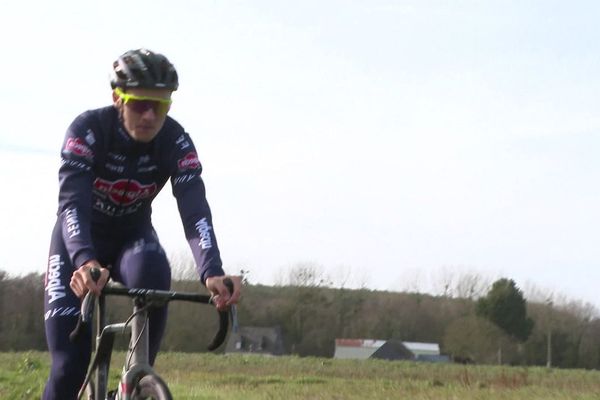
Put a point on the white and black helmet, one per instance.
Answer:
(144, 69)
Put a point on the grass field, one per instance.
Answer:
(205, 376)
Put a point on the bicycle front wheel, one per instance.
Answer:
(151, 387)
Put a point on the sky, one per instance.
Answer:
(390, 144)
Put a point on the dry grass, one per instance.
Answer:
(205, 376)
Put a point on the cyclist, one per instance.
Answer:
(115, 160)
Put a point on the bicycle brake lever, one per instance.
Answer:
(224, 317)
(95, 273)
(229, 284)
(85, 315)
(87, 308)
(234, 318)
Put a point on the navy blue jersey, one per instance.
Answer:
(108, 182)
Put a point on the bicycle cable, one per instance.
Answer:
(139, 337)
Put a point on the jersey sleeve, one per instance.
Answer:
(76, 179)
(188, 189)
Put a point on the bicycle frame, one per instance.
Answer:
(137, 363)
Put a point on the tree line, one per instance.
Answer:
(496, 326)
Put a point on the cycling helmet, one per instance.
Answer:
(145, 69)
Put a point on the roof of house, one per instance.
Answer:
(393, 350)
(388, 349)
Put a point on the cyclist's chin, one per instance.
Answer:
(144, 134)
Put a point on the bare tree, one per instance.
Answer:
(459, 282)
(471, 285)
(307, 274)
(183, 267)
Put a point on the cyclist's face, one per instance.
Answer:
(143, 119)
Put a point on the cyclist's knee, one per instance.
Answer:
(144, 264)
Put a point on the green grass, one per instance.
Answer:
(214, 377)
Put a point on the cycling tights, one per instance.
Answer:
(138, 261)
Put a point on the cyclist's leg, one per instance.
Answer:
(61, 307)
(143, 264)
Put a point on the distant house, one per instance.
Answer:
(388, 350)
(256, 340)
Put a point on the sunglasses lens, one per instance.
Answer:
(141, 106)
(162, 108)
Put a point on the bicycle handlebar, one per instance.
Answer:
(156, 297)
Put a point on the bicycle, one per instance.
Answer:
(138, 380)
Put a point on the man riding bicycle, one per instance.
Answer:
(115, 160)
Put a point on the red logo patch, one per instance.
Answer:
(190, 161)
(125, 192)
(78, 147)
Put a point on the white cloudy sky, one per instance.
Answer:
(394, 139)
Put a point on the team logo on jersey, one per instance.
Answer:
(125, 192)
(183, 144)
(90, 137)
(78, 147)
(190, 161)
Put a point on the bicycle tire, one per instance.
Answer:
(151, 387)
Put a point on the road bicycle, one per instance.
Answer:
(138, 380)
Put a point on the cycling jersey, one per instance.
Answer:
(108, 182)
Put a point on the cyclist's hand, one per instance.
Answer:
(222, 297)
(82, 282)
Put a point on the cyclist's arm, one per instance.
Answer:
(75, 190)
(189, 190)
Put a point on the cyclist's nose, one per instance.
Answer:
(149, 114)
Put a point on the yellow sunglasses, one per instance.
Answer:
(141, 104)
